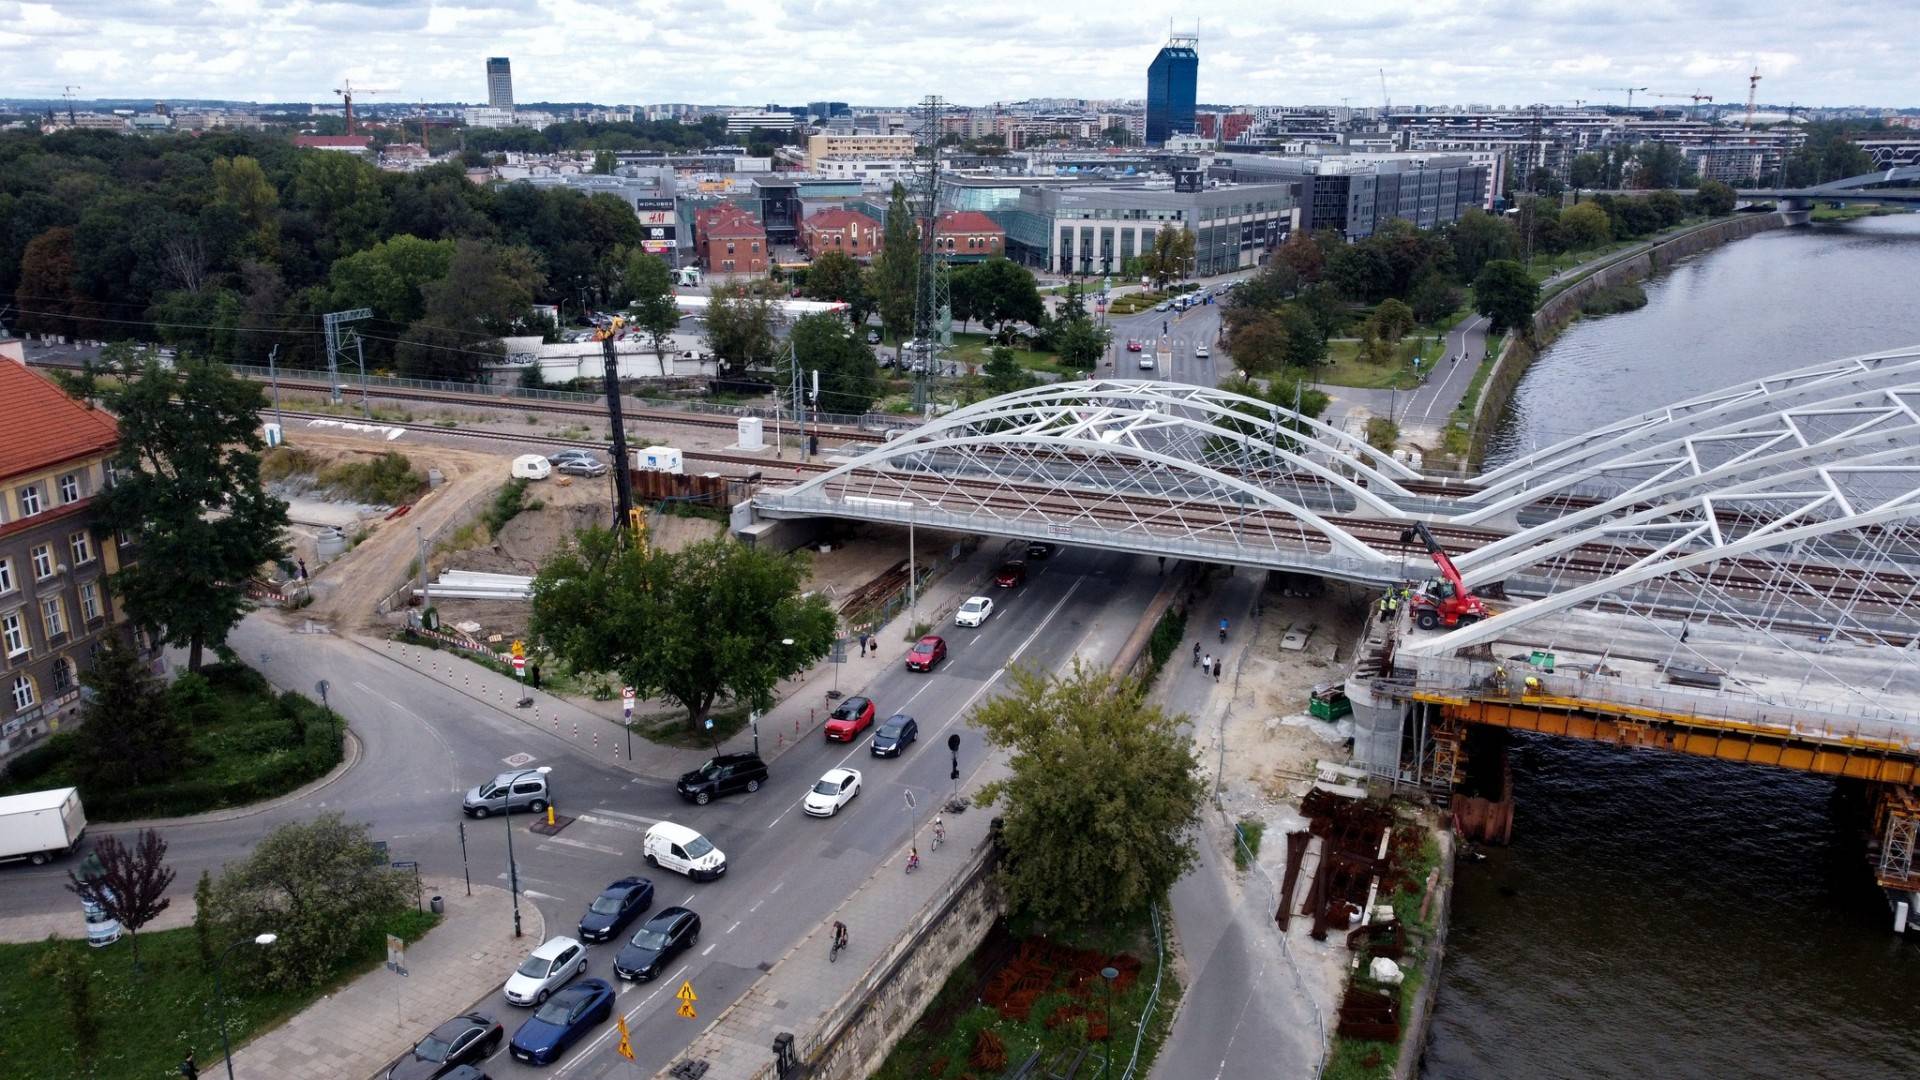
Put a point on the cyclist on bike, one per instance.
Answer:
(939, 832)
(1223, 629)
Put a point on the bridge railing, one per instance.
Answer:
(1790, 715)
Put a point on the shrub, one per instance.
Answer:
(283, 461)
(508, 503)
(388, 478)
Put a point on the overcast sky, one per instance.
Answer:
(895, 51)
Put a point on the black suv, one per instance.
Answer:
(723, 775)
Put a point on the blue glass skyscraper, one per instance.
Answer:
(1171, 82)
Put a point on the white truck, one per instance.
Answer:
(41, 824)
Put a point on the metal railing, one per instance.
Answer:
(1153, 996)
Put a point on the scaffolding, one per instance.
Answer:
(1897, 815)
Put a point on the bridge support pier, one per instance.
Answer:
(1896, 828)
(1796, 212)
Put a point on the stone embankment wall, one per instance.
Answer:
(1564, 307)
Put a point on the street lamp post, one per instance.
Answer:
(1106, 1067)
(513, 869)
(226, 1049)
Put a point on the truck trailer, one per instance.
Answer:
(40, 825)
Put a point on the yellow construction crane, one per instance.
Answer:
(346, 90)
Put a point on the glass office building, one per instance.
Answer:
(1172, 80)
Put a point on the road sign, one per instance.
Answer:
(912, 803)
(520, 666)
(687, 998)
(519, 648)
(625, 1049)
(709, 723)
(626, 701)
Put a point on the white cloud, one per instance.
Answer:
(885, 52)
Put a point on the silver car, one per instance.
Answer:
(580, 466)
(528, 792)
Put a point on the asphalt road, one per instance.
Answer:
(426, 743)
(1169, 339)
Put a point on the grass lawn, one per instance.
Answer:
(672, 729)
(148, 1022)
(1348, 369)
(251, 744)
(960, 1026)
(972, 349)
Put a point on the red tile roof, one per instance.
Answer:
(835, 217)
(40, 426)
(968, 221)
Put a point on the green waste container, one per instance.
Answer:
(1329, 702)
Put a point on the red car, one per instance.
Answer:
(926, 652)
(1133, 344)
(853, 716)
(1011, 575)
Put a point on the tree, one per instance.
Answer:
(203, 920)
(1585, 226)
(1505, 293)
(64, 970)
(241, 187)
(835, 276)
(1172, 255)
(1306, 338)
(318, 885)
(1101, 799)
(391, 277)
(1003, 373)
(1306, 258)
(1259, 342)
(1079, 342)
(740, 327)
(1002, 292)
(487, 291)
(896, 268)
(604, 162)
(1828, 154)
(188, 486)
(648, 284)
(1290, 399)
(132, 735)
(1275, 284)
(1434, 297)
(1394, 318)
(1118, 135)
(131, 885)
(46, 282)
(695, 626)
(849, 377)
(1587, 170)
(1713, 198)
(1478, 239)
(1658, 165)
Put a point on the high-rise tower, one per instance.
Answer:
(1171, 82)
(500, 84)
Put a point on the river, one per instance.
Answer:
(1660, 915)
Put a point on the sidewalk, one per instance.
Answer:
(359, 1029)
(801, 704)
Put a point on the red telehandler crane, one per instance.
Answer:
(1445, 600)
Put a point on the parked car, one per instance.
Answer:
(1133, 344)
(581, 467)
(466, 1039)
(974, 612)
(1011, 575)
(531, 467)
(1165, 305)
(562, 1021)
(853, 716)
(529, 792)
(664, 937)
(615, 907)
(831, 792)
(894, 735)
(722, 775)
(683, 851)
(546, 969)
(1041, 549)
(569, 454)
(926, 652)
(873, 337)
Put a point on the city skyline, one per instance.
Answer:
(434, 50)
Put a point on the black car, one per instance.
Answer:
(723, 775)
(615, 907)
(894, 735)
(467, 1039)
(1040, 549)
(664, 937)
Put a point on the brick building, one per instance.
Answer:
(729, 240)
(970, 236)
(836, 229)
(54, 608)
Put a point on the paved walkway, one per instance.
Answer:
(358, 1030)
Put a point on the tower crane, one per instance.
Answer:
(69, 97)
(1753, 93)
(346, 90)
(1629, 91)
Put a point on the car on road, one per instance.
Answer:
(926, 652)
(1165, 305)
(894, 735)
(564, 1020)
(831, 792)
(1133, 344)
(581, 467)
(975, 611)
(506, 793)
(1146, 362)
(873, 337)
(466, 1039)
(1041, 549)
(615, 907)
(1011, 575)
(1200, 352)
(546, 969)
(683, 851)
(854, 716)
(722, 775)
(663, 937)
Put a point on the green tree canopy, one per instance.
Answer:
(1101, 801)
(1505, 293)
(1713, 198)
(849, 377)
(1171, 257)
(1002, 292)
(1003, 372)
(647, 285)
(740, 327)
(188, 488)
(695, 626)
(1079, 342)
(391, 277)
(835, 276)
(891, 278)
(1585, 226)
(1479, 238)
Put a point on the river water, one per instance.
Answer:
(1660, 915)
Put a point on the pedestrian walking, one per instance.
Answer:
(1207, 664)
(303, 569)
(863, 644)
(1217, 665)
(1196, 654)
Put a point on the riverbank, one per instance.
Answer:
(1472, 425)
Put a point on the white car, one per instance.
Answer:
(1200, 352)
(550, 967)
(835, 790)
(1146, 361)
(973, 612)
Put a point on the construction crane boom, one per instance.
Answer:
(1628, 90)
(1753, 94)
(346, 90)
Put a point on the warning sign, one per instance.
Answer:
(687, 998)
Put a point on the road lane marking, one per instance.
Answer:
(611, 823)
(736, 925)
(581, 844)
(587, 1052)
(688, 900)
(777, 886)
(708, 949)
(629, 817)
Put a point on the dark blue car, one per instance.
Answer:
(615, 907)
(562, 1021)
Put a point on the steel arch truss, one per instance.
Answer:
(1183, 470)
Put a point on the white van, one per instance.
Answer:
(532, 467)
(684, 851)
